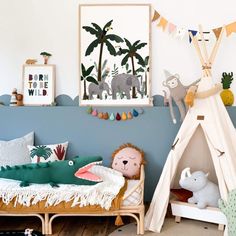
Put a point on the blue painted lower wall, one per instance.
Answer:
(153, 132)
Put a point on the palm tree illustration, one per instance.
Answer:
(41, 151)
(102, 38)
(104, 71)
(87, 77)
(131, 52)
(145, 70)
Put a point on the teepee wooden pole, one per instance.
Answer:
(208, 71)
(215, 49)
(196, 45)
(203, 43)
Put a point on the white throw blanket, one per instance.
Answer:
(100, 194)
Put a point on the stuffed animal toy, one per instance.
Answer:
(16, 98)
(190, 96)
(19, 99)
(177, 93)
(128, 160)
(74, 171)
(28, 232)
(30, 61)
(13, 101)
(205, 192)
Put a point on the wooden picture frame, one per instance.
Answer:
(38, 84)
(100, 66)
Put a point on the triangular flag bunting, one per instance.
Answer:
(180, 32)
(217, 32)
(155, 16)
(231, 28)
(171, 27)
(194, 32)
(163, 23)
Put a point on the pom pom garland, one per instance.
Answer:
(115, 117)
(118, 117)
(135, 113)
(130, 116)
(112, 117)
(94, 112)
(90, 110)
(124, 116)
(100, 115)
(105, 116)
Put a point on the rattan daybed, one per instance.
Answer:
(128, 203)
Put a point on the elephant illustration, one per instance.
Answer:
(123, 83)
(95, 89)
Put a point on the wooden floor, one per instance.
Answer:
(64, 226)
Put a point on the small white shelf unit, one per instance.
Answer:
(190, 211)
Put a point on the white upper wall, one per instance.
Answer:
(28, 27)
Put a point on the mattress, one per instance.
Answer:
(134, 199)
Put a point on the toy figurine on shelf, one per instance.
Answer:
(16, 98)
(46, 56)
(30, 61)
(227, 95)
(13, 101)
(19, 99)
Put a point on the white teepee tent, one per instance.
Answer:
(210, 114)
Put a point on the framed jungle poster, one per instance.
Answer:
(114, 51)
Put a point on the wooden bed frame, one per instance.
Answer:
(136, 211)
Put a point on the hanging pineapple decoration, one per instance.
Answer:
(227, 95)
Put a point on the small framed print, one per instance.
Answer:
(38, 84)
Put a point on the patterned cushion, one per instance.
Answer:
(15, 152)
(46, 153)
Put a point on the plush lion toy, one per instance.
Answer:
(128, 160)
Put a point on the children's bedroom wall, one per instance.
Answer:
(29, 27)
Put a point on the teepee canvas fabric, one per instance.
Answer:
(211, 115)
